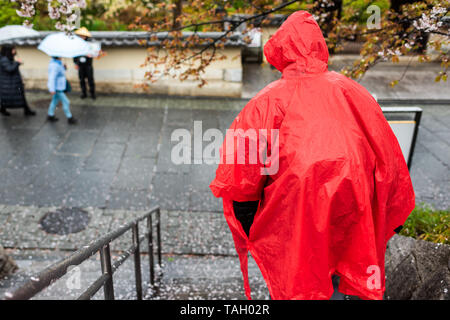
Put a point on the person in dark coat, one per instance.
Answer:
(84, 66)
(12, 93)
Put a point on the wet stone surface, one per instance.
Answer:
(120, 157)
(183, 277)
(209, 277)
(116, 157)
(182, 232)
(65, 221)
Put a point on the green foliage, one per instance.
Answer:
(40, 21)
(43, 23)
(428, 224)
(238, 4)
(8, 14)
(356, 10)
(93, 17)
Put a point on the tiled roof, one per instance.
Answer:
(274, 20)
(130, 38)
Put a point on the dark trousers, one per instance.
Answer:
(86, 72)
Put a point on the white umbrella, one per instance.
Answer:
(64, 46)
(16, 31)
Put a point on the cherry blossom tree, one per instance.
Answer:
(402, 34)
(62, 11)
(181, 52)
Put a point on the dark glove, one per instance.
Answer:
(245, 213)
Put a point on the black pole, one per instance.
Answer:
(158, 234)
(137, 261)
(150, 250)
(417, 118)
(105, 258)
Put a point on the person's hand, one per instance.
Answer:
(19, 61)
(77, 67)
(52, 93)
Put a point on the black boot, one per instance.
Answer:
(93, 96)
(4, 112)
(28, 112)
(72, 120)
(52, 118)
(83, 95)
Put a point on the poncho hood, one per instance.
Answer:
(298, 41)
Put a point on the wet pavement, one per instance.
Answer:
(199, 259)
(116, 158)
(183, 232)
(115, 164)
(120, 157)
(184, 277)
(417, 80)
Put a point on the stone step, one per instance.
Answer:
(68, 287)
(207, 278)
(182, 232)
(191, 277)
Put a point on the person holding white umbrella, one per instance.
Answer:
(57, 85)
(60, 45)
(16, 31)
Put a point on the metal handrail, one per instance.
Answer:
(46, 277)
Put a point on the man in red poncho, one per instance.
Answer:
(333, 185)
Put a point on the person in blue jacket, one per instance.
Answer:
(57, 84)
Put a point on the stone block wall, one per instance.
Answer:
(417, 270)
(120, 71)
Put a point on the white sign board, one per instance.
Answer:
(404, 131)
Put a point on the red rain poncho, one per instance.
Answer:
(342, 185)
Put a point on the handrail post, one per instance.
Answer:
(137, 261)
(105, 258)
(417, 118)
(150, 249)
(158, 235)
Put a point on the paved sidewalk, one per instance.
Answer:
(182, 232)
(116, 158)
(119, 157)
(417, 83)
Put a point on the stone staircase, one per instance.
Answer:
(198, 262)
(190, 277)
